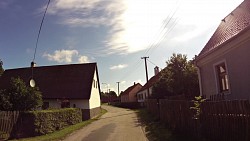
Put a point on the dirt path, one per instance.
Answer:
(117, 124)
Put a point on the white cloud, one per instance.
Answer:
(61, 56)
(83, 13)
(90, 22)
(118, 67)
(138, 81)
(83, 59)
(136, 25)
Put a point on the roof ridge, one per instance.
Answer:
(59, 65)
(234, 23)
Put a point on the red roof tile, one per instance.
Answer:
(151, 82)
(233, 24)
(63, 81)
(129, 89)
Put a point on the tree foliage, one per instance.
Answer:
(178, 78)
(111, 93)
(20, 97)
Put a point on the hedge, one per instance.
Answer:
(42, 122)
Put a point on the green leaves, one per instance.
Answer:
(197, 106)
(20, 97)
(178, 78)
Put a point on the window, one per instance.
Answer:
(94, 83)
(222, 77)
(65, 103)
(45, 105)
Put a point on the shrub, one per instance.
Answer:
(42, 122)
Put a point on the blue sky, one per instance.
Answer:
(113, 33)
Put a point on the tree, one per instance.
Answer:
(20, 97)
(4, 101)
(112, 93)
(179, 77)
(1, 67)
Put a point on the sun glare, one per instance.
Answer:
(142, 22)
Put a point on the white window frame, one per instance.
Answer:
(218, 89)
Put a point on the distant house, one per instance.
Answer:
(146, 90)
(223, 63)
(75, 85)
(129, 95)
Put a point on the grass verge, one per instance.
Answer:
(157, 131)
(61, 134)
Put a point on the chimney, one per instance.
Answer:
(156, 70)
(134, 83)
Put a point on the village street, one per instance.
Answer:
(117, 124)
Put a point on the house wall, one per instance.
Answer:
(145, 94)
(132, 93)
(124, 98)
(142, 95)
(83, 104)
(95, 99)
(236, 56)
(53, 103)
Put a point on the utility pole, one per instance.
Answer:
(118, 88)
(146, 68)
(107, 92)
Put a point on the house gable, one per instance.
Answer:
(95, 99)
(129, 95)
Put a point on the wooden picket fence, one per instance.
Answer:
(7, 121)
(220, 120)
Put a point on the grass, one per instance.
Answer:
(61, 134)
(157, 131)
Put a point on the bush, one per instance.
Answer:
(20, 97)
(42, 122)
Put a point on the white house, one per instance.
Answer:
(74, 85)
(146, 90)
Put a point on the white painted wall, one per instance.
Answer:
(95, 100)
(145, 94)
(53, 103)
(83, 104)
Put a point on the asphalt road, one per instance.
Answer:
(117, 124)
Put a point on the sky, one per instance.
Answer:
(113, 33)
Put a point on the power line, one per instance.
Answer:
(156, 43)
(34, 57)
(165, 24)
(151, 62)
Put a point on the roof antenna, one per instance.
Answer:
(32, 65)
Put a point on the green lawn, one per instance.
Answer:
(157, 131)
(58, 135)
